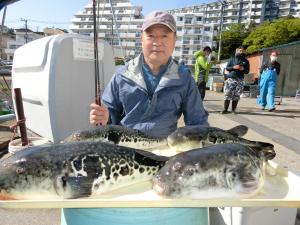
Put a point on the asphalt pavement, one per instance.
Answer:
(281, 127)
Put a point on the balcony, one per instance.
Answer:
(127, 35)
(189, 32)
(255, 13)
(233, 14)
(280, 14)
(256, 6)
(187, 42)
(284, 6)
(185, 52)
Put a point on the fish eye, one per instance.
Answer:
(177, 166)
(189, 172)
(60, 184)
(20, 170)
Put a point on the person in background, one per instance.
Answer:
(149, 93)
(237, 67)
(202, 65)
(267, 82)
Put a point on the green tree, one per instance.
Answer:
(278, 32)
(11, 31)
(233, 38)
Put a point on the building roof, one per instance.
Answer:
(280, 46)
(23, 30)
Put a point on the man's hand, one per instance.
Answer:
(98, 114)
(238, 67)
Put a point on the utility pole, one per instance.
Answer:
(223, 4)
(112, 31)
(26, 29)
(1, 31)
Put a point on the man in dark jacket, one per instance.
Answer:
(237, 67)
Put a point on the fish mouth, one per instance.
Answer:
(159, 186)
(249, 187)
(159, 189)
(5, 196)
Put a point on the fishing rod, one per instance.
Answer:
(96, 60)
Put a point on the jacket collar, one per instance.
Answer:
(134, 72)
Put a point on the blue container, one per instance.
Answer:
(135, 216)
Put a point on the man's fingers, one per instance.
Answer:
(98, 114)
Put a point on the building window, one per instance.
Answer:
(188, 30)
(177, 58)
(206, 28)
(206, 39)
(197, 30)
(14, 46)
(198, 37)
(180, 18)
(188, 21)
(198, 18)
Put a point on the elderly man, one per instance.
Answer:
(149, 93)
(152, 91)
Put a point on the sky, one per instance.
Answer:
(58, 13)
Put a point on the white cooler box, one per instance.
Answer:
(56, 77)
(253, 216)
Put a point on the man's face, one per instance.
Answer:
(240, 51)
(273, 56)
(158, 43)
(206, 53)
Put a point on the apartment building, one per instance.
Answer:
(196, 25)
(22, 36)
(121, 28)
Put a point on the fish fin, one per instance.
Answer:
(266, 148)
(151, 155)
(114, 137)
(239, 130)
(73, 187)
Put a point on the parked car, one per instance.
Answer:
(214, 71)
(4, 62)
(5, 70)
(214, 76)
